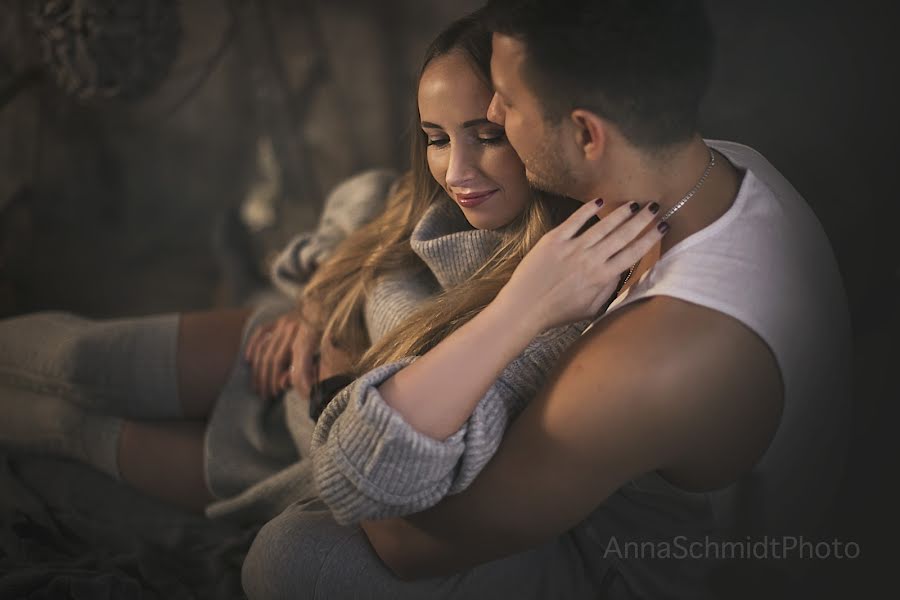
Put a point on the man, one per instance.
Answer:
(708, 399)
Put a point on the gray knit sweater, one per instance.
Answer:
(369, 463)
(351, 204)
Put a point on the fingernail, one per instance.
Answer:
(634, 206)
(599, 201)
(653, 208)
(663, 227)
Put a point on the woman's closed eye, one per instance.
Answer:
(439, 142)
(493, 138)
(488, 139)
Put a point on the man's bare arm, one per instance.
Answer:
(660, 385)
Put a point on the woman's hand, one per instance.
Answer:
(564, 278)
(305, 354)
(333, 361)
(305, 371)
(274, 347)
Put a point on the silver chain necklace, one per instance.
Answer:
(671, 211)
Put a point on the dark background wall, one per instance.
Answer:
(269, 100)
(113, 207)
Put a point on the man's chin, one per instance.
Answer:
(540, 184)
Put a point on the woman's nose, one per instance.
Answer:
(462, 168)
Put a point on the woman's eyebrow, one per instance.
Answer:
(466, 125)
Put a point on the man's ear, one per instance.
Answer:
(590, 133)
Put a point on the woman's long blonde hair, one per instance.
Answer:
(342, 283)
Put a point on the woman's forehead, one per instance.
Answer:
(451, 89)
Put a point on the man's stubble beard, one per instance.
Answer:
(547, 171)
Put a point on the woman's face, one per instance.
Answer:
(467, 154)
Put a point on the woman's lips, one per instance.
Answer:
(473, 199)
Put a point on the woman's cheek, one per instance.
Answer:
(438, 171)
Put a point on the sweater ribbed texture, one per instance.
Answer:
(369, 463)
(452, 250)
(448, 244)
(394, 298)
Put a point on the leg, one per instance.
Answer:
(305, 554)
(61, 370)
(165, 460)
(156, 367)
(208, 345)
(121, 367)
(248, 438)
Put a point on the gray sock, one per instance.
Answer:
(44, 425)
(123, 367)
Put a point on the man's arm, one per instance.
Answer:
(661, 384)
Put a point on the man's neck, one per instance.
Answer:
(631, 175)
(635, 177)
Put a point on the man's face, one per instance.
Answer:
(538, 143)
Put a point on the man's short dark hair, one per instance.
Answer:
(644, 65)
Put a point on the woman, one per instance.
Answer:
(130, 396)
(720, 368)
(382, 284)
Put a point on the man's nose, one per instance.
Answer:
(462, 169)
(495, 111)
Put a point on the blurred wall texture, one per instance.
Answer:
(266, 102)
(121, 200)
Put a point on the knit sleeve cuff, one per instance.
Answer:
(299, 259)
(370, 463)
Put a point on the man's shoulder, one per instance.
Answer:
(673, 330)
(698, 375)
(661, 322)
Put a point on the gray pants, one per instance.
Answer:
(303, 553)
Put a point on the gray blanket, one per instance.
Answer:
(67, 531)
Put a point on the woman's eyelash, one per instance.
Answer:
(494, 139)
(499, 138)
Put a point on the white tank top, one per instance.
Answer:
(767, 263)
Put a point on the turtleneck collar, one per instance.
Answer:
(449, 245)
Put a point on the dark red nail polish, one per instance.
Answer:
(653, 208)
(634, 206)
(599, 201)
(663, 227)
